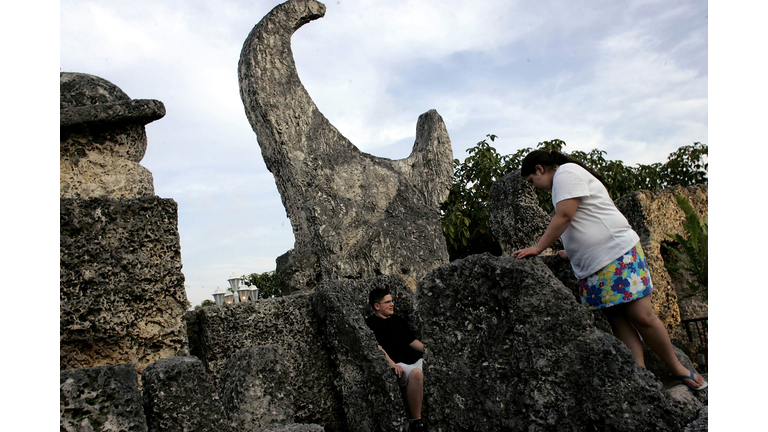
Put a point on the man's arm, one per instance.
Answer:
(398, 369)
(417, 345)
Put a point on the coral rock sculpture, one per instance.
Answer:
(353, 215)
(102, 139)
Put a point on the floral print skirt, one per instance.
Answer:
(622, 281)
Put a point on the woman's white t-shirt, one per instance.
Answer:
(598, 234)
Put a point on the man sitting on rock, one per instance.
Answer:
(402, 350)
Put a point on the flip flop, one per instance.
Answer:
(692, 378)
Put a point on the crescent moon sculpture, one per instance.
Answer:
(353, 215)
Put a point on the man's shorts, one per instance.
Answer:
(407, 368)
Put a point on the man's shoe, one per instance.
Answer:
(418, 426)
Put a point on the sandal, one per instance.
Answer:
(692, 378)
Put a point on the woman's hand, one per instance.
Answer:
(522, 253)
(563, 254)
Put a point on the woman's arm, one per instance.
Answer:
(564, 212)
(417, 345)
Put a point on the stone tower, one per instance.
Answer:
(122, 295)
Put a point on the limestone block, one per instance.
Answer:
(511, 349)
(515, 217)
(287, 322)
(353, 215)
(179, 395)
(256, 387)
(371, 396)
(652, 214)
(122, 292)
(102, 139)
(104, 398)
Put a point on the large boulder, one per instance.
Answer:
(121, 292)
(353, 215)
(179, 395)
(290, 323)
(371, 396)
(104, 398)
(509, 348)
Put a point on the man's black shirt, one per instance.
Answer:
(394, 336)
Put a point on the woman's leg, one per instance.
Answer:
(626, 333)
(641, 316)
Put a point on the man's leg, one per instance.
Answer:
(414, 392)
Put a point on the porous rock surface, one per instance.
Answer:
(509, 348)
(102, 139)
(256, 387)
(653, 215)
(179, 395)
(104, 398)
(514, 215)
(353, 215)
(121, 292)
(286, 322)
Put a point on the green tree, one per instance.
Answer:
(205, 303)
(266, 283)
(464, 215)
(693, 253)
(465, 212)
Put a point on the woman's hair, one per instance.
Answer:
(549, 159)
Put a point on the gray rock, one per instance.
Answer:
(701, 424)
(122, 292)
(353, 215)
(256, 387)
(288, 322)
(295, 428)
(104, 398)
(514, 215)
(102, 139)
(511, 349)
(652, 214)
(372, 399)
(179, 395)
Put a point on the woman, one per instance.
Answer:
(605, 254)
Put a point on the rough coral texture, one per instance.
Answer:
(105, 398)
(519, 353)
(256, 387)
(655, 214)
(102, 139)
(289, 323)
(122, 292)
(353, 215)
(514, 215)
(179, 395)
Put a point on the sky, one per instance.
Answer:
(629, 78)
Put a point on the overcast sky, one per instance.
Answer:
(628, 77)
